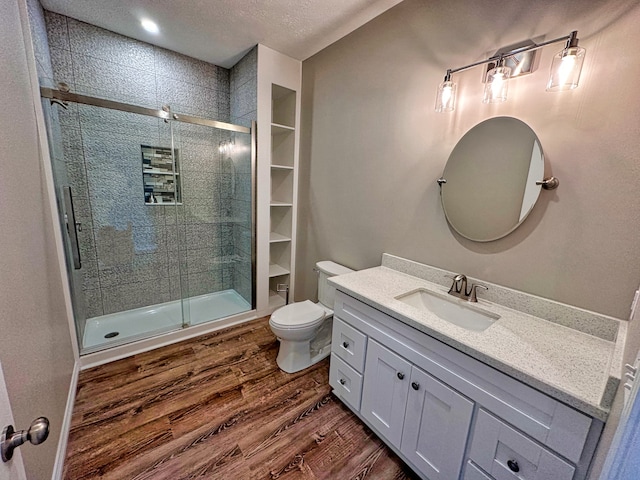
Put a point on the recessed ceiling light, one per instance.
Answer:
(149, 26)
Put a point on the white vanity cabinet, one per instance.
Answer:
(446, 414)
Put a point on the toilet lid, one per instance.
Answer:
(299, 314)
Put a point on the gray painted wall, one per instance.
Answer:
(372, 147)
(37, 355)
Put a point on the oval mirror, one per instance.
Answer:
(489, 183)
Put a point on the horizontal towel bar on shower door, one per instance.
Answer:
(54, 94)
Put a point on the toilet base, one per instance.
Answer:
(295, 356)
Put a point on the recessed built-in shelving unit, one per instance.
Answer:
(160, 176)
(283, 175)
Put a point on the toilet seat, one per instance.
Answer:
(298, 315)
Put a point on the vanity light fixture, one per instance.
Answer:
(565, 73)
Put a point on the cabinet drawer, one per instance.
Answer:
(474, 473)
(508, 454)
(346, 382)
(349, 344)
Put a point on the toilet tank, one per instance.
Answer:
(326, 292)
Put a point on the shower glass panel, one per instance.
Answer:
(126, 273)
(163, 234)
(214, 220)
(55, 117)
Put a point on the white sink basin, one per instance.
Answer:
(453, 310)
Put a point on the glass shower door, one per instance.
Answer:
(214, 220)
(119, 168)
(69, 224)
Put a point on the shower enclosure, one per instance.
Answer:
(158, 217)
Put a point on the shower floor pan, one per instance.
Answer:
(131, 325)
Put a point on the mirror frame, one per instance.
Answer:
(487, 170)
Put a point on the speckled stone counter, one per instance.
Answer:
(570, 354)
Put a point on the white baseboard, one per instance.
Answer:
(58, 467)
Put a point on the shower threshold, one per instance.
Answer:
(131, 325)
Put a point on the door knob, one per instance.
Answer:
(37, 433)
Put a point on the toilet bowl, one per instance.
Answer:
(304, 328)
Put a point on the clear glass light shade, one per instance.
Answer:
(495, 90)
(446, 97)
(565, 69)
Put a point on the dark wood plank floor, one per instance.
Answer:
(218, 407)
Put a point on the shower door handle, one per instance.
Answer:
(72, 226)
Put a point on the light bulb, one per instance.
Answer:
(495, 91)
(149, 25)
(566, 69)
(446, 96)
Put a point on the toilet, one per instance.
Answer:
(304, 328)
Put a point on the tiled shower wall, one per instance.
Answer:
(132, 252)
(244, 110)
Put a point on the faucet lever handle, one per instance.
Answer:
(473, 297)
(454, 285)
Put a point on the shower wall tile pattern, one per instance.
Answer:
(134, 254)
(243, 87)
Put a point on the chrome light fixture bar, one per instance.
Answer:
(565, 73)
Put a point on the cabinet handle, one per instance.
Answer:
(400, 375)
(415, 385)
(345, 344)
(342, 381)
(513, 465)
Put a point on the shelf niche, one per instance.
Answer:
(160, 176)
(283, 106)
(281, 222)
(282, 146)
(281, 186)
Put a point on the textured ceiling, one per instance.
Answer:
(222, 31)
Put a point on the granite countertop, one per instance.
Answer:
(577, 368)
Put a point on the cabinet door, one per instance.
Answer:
(436, 426)
(384, 394)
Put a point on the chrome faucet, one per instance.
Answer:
(459, 288)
